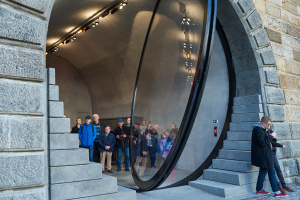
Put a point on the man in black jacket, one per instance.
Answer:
(122, 138)
(262, 156)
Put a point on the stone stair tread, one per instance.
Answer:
(235, 155)
(234, 165)
(78, 156)
(239, 135)
(63, 141)
(237, 145)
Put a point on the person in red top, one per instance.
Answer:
(122, 138)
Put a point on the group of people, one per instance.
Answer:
(147, 143)
(263, 155)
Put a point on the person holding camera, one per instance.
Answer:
(122, 138)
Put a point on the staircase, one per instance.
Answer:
(232, 173)
(71, 175)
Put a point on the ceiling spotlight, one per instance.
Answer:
(46, 53)
(79, 31)
(56, 49)
(96, 23)
(124, 3)
(121, 7)
(60, 44)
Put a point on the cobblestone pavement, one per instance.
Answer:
(292, 195)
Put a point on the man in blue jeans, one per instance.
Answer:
(262, 156)
(122, 145)
(87, 135)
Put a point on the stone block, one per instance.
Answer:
(246, 62)
(59, 125)
(289, 6)
(67, 174)
(64, 141)
(245, 5)
(56, 109)
(53, 91)
(21, 133)
(237, 127)
(276, 2)
(271, 75)
(274, 35)
(292, 97)
(81, 189)
(254, 21)
(284, 152)
(268, 58)
(12, 22)
(290, 82)
(292, 113)
(246, 117)
(261, 38)
(275, 24)
(289, 17)
(250, 108)
(233, 165)
(296, 55)
(21, 97)
(295, 130)
(276, 113)
(242, 45)
(293, 31)
(289, 167)
(241, 136)
(235, 29)
(32, 194)
(282, 130)
(123, 193)
(273, 10)
(282, 50)
(294, 148)
(22, 170)
(38, 5)
(235, 155)
(291, 41)
(248, 91)
(226, 13)
(274, 95)
(237, 145)
(245, 100)
(21, 63)
(69, 157)
(247, 79)
(51, 76)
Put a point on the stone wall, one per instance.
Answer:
(23, 102)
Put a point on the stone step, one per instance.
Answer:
(250, 108)
(69, 157)
(237, 145)
(241, 136)
(234, 165)
(222, 189)
(246, 100)
(123, 193)
(235, 155)
(63, 141)
(56, 109)
(106, 185)
(235, 178)
(59, 125)
(241, 126)
(246, 117)
(66, 174)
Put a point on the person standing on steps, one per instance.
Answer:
(262, 156)
(87, 135)
(107, 142)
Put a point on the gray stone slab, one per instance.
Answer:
(67, 174)
(53, 93)
(248, 79)
(276, 113)
(12, 22)
(261, 38)
(235, 155)
(268, 57)
(246, 117)
(274, 95)
(246, 62)
(271, 75)
(123, 193)
(235, 178)
(248, 91)
(254, 20)
(21, 97)
(32, 194)
(250, 108)
(59, 125)
(106, 185)
(284, 153)
(282, 130)
(226, 13)
(63, 141)
(237, 145)
(51, 76)
(289, 167)
(69, 157)
(56, 109)
(22, 170)
(245, 5)
(293, 146)
(38, 5)
(21, 63)
(295, 130)
(231, 135)
(233, 165)
(235, 29)
(21, 133)
(245, 100)
(241, 127)
(242, 45)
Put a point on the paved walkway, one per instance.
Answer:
(190, 193)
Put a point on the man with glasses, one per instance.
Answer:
(262, 156)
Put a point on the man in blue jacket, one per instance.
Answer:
(87, 135)
(107, 142)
